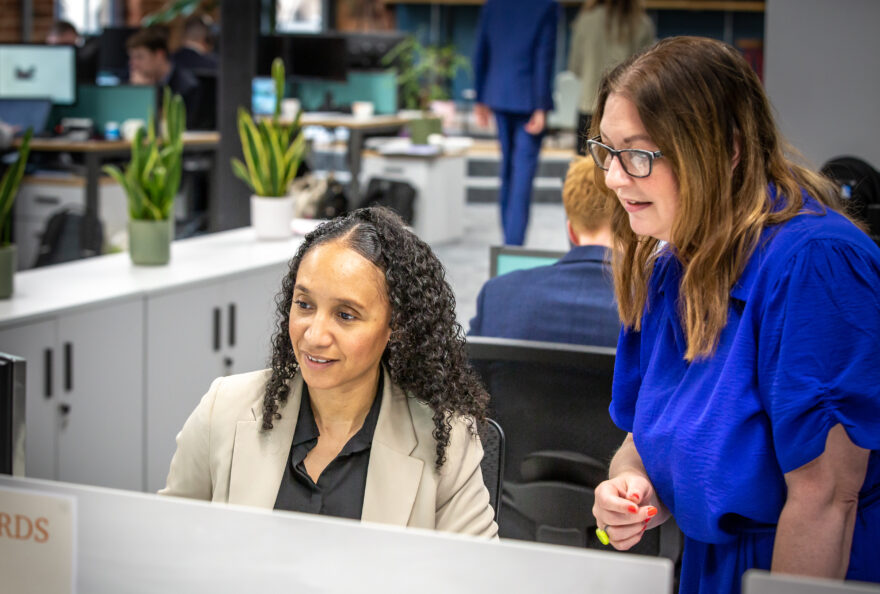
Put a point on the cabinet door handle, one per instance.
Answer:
(47, 368)
(232, 324)
(50, 200)
(216, 329)
(68, 367)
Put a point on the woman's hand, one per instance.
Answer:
(624, 507)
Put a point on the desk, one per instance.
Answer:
(139, 543)
(358, 128)
(96, 152)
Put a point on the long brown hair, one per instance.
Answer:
(705, 108)
(622, 16)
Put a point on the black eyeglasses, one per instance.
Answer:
(636, 162)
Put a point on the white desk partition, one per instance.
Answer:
(763, 582)
(135, 542)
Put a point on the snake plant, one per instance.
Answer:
(152, 177)
(272, 150)
(9, 187)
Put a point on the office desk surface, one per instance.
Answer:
(190, 139)
(63, 287)
(336, 120)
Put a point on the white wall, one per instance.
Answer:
(822, 73)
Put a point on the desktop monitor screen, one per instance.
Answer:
(306, 57)
(33, 71)
(12, 414)
(112, 52)
(299, 16)
(263, 95)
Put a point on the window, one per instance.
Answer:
(88, 16)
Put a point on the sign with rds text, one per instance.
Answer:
(37, 535)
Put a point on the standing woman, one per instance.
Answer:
(605, 33)
(513, 77)
(746, 373)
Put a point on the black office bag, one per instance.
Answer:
(397, 195)
(70, 235)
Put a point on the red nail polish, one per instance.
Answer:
(633, 509)
(636, 496)
(652, 511)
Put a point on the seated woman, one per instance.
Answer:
(369, 409)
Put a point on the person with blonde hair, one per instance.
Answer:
(746, 373)
(604, 33)
(571, 301)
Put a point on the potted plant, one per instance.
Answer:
(424, 75)
(273, 151)
(151, 181)
(8, 190)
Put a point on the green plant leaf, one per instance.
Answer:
(249, 151)
(241, 172)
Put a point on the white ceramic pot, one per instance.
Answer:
(271, 217)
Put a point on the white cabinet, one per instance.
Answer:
(439, 183)
(193, 336)
(84, 406)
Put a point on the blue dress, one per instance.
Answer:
(799, 354)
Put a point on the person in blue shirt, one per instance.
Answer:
(513, 77)
(746, 373)
(572, 300)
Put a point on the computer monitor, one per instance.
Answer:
(22, 114)
(38, 71)
(206, 116)
(306, 57)
(367, 50)
(12, 417)
(300, 16)
(507, 258)
(113, 54)
(263, 95)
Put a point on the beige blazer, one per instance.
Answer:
(223, 455)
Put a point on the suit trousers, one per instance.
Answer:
(519, 161)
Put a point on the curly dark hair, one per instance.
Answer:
(426, 352)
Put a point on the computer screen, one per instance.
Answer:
(112, 53)
(300, 16)
(306, 57)
(263, 95)
(12, 414)
(22, 114)
(34, 71)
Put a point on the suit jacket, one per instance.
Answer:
(571, 301)
(224, 455)
(515, 53)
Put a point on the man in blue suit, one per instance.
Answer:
(572, 300)
(513, 72)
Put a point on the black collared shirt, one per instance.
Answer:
(340, 488)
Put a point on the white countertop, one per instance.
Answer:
(59, 288)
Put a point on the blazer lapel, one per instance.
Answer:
(259, 457)
(393, 477)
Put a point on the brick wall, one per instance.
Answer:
(44, 15)
(10, 21)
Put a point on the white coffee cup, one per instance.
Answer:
(362, 109)
(130, 127)
(289, 108)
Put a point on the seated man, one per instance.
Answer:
(195, 50)
(149, 64)
(571, 301)
(63, 33)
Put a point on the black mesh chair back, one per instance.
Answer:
(492, 466)
(70, 234)
(548, 396)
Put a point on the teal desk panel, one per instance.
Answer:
(380, 88)
(108, 104)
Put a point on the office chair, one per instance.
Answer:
(71, 234)
(553, 400)
(492, 465)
